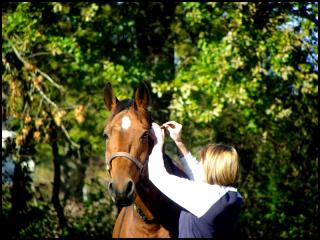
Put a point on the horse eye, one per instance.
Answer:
(144, 136)
(105, 136)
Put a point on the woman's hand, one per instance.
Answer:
(174, 129)
(157, 134)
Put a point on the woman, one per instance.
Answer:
(211, 203)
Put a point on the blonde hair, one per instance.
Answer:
(220, 163)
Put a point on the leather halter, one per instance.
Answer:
(126, 155)
(140, 166)
(142, 215)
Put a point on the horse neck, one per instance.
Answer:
(157, 207)
(152, 201)
(148, 198)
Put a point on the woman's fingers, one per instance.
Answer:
(174, 129)
(157, 132)
(171, 124)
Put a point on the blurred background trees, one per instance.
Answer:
(240, 73)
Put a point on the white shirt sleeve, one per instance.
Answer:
(195, 196)
(193, 168)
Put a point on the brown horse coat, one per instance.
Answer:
(145, 211)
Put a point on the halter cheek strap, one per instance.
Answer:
(126, 155)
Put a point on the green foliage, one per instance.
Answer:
(37, 220)
(240, 73)
(94, 217)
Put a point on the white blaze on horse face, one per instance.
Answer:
(126, 122)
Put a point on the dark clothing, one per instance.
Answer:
(218, 222)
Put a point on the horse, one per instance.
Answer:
(145, 211)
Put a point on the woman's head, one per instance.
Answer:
(220, 163)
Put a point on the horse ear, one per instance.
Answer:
(141, 96)
(110, 100)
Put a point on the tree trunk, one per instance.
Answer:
(74, 171)
(156, 45)
(57, 180)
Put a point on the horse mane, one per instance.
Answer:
(166, 211)
(173, 168)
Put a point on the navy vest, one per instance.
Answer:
(218, 222)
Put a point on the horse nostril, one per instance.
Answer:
(111, 188)
(130, 188)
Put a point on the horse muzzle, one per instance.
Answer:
(122, 194)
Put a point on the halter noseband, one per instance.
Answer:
(126, 155)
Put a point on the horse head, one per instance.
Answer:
(128, 142)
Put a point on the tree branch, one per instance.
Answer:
(47, 98)
(38, 54)
(68, 136)
(37, 70)
(61, 125)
